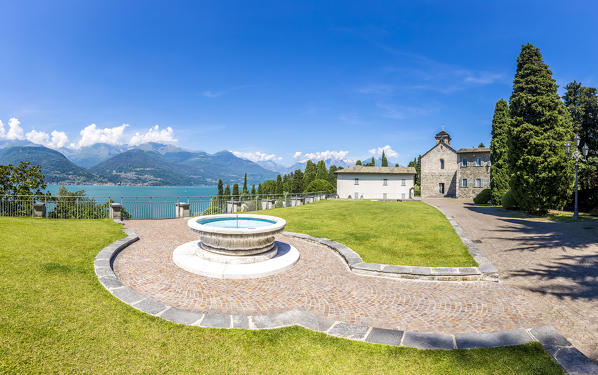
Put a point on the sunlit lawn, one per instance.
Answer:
(404, 233)
(55, 317)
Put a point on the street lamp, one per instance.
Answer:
(577, 156)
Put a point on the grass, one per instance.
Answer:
(567, 216)
(406, 233)
(55, 317)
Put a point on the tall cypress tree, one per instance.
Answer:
(220, 188)
(236, 189)
(541, 174)
(309, 174)
(499, 153)
(227, 192)
(384, 160)
(279, 185)
(245, 190)
(321, 171)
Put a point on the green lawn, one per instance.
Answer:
(55, 317)
(406, 233)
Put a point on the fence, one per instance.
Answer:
(156, 207)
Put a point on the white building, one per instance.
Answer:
(360, 182)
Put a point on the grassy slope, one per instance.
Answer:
(55, 317)
(407, 233)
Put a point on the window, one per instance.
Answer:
(464, 162)
(464, 182)
(488, 183)
(384, 196)
(356, 195)
(441, 163)
(402, 182)
(478, 182)
(356, 181)
(479, 162)
(385, 183)
(402, 195)
(441, 188)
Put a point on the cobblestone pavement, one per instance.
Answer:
(322, 283)
(555, 264)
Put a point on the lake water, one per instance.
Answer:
(114, 191)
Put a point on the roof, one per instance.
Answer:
(436, 145)
(377, 170)
(475, 149)
(442, 132)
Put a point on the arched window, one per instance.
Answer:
(441, 163)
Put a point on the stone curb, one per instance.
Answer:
(571, 359)
(358, 266)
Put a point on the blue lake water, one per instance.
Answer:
(116, 191)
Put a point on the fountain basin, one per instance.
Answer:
(237, 234)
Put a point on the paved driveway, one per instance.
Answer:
(554, 263)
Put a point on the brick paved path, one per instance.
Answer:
(320, 282)
(554, 264)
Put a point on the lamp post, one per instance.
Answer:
(577, 156)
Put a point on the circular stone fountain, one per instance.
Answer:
(235, 246)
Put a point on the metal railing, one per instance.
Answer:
(147, 207)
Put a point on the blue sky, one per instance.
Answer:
(273, 79)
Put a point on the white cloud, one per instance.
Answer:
(91, 134)
(257, 156)
(15, 131)
(154, 135)
(388, 151)
(322, 155)
(54, 140)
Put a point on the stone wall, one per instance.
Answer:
(471, 172)
(433, 174)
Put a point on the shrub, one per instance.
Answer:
(508, 201)
(483, 197)
(320, 185)
(417, 191)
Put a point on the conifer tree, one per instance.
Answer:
(541, 173)
(235, 189)
(279, 186)
(321, 171)
(309, 174)
(227, 192)
(384, 160)
(298, 181)
(220, 188)
(253, 190)
(499, 170)
(358, 162)
(245, 190)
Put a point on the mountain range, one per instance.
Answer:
(147, 164)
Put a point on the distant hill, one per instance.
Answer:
(56, 167)
(138, 167)
(92, 155)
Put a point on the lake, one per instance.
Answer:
(114, 191)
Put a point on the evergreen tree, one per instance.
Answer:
(279, 185)
(245, 190)
(259, 189)
(321, 171)
(481, 145)
(331, 175)
(297, 181)
(396, 165)
(358, 162)
(220, 188)
(227, 192)
(373, 162)
(253, 190)
(499, 153)
(384, 160)
(287, 183)
(309, 175)
(541, 174)
(235, 190)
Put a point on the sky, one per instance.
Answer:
(279, 81)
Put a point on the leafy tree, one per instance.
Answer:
(481, 145)
(358, 162)
(321, 171)
(331, 175)
(24, 179)
(318, 185)
(541, 174)
(298, 181)
(269, 187)
(384, 160)
(287, 183)
(499, 152)
(236, 190)
(416, 163)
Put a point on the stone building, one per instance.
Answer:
(446, 172)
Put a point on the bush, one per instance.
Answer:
(417, 191)
(508, 201)
(318, 185)
(483, 197)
